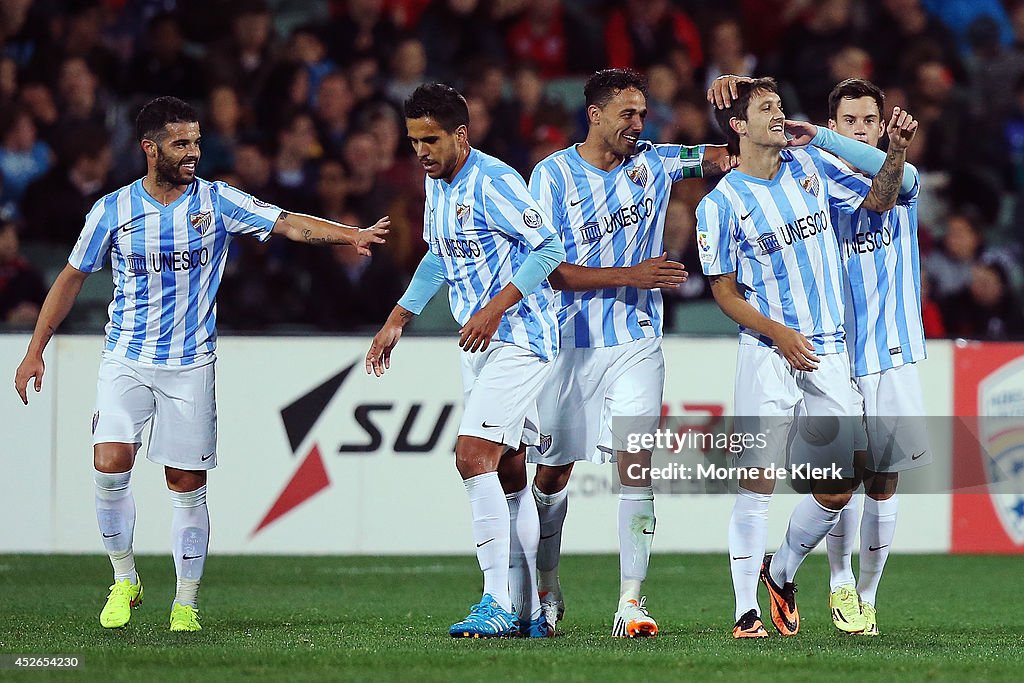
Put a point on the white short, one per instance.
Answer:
(597, 397)
(500, 388)
(895, 426)
(770, 395)
(180, 400)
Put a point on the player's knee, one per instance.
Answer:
(113, 457)
(552, 479)
(183, 481)
(833, 501)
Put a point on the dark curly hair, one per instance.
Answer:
(440, 102)
(607, 83)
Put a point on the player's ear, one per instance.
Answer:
(738, 125)
(148, 147)
(462, 134)
(831, 124)
(593, 115)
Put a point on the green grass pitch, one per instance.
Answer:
(385, 618)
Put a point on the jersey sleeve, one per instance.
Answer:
(716, 226)
(243, 214)
(93, 245)
(846, 189)
(550, 196)
(681, 161)
(511, 210)
(910, 197)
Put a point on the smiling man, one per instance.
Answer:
(167, 237)
(768, 246)
(490, 241)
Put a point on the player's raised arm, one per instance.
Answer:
(56, 307)
(299, 227)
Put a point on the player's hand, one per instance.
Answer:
(31, 366)
(723, 90)
(796, 349)
(378, 358)
(901, 129)
(801, 133)
(720, 157)
(657, 273)
(476, 334)
(372, 235)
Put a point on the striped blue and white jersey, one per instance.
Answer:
(612, 219)
(778, 237)
(883, 286)
(483, 226)
(167, 263)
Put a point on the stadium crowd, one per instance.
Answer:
(301, 100)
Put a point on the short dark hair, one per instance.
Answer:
(157, 113)
(738, 109)
(854, 89)
(440, 102)
(605, 84)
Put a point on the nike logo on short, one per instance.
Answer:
(111, 535)
(480, 545)
(837, 535)
(649, 533)
(488, 426)
(743, 218)
(190, 557)
(873, 548)
(206, 457)
(577, 202)
(809, 547)
(549, 536)
(915, 456)
(745, 557)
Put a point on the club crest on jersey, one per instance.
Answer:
(545, 444)
(638, 174)
(810, 185)
(201, 221)
(463, 212)
(532, 218)
(769, 243)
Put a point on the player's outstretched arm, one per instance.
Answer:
(654, 273)
(299, 227)
(794, 347)
(56, 307)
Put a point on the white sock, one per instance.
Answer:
(524, 527)
(840, 543)
(551, 509)
(636, 534)
(877, 529)
(115, 515)
(748, 536)
(808, 525)
(491, 534)
(190, 542)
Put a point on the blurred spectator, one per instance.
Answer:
(260, 288)
(958, 15)
(353, 292)
(38, 99)
(766, 21)
(161, 66)
(726, 53)
(220, 131)
(456, 35)
(55, 206)
(662, 88)
(287, 91)
(361, 29)
(987, 309)
(638, 34)
(75, 33)
(902, 33)
(79, 95)
(364, 78)
(942, 109)
(552, 35)
(850, 62)
(21, 286)
(530, 110)
(962, 245)
(931, 313)
(294, 164)
(247, 56)
(334, 103)
(306, 47)
(331, 189)
(366, 196)
(23, 157)
(255, 172)
(8, 82)
(408, 68)
(807, 50)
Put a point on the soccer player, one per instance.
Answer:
(885, 336)
(490, 241)
(608, 199)
(167, 236)
(767, 244)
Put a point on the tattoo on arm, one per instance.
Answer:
(885, 187)
(307, 234)
(709, 168)
(406, 315)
